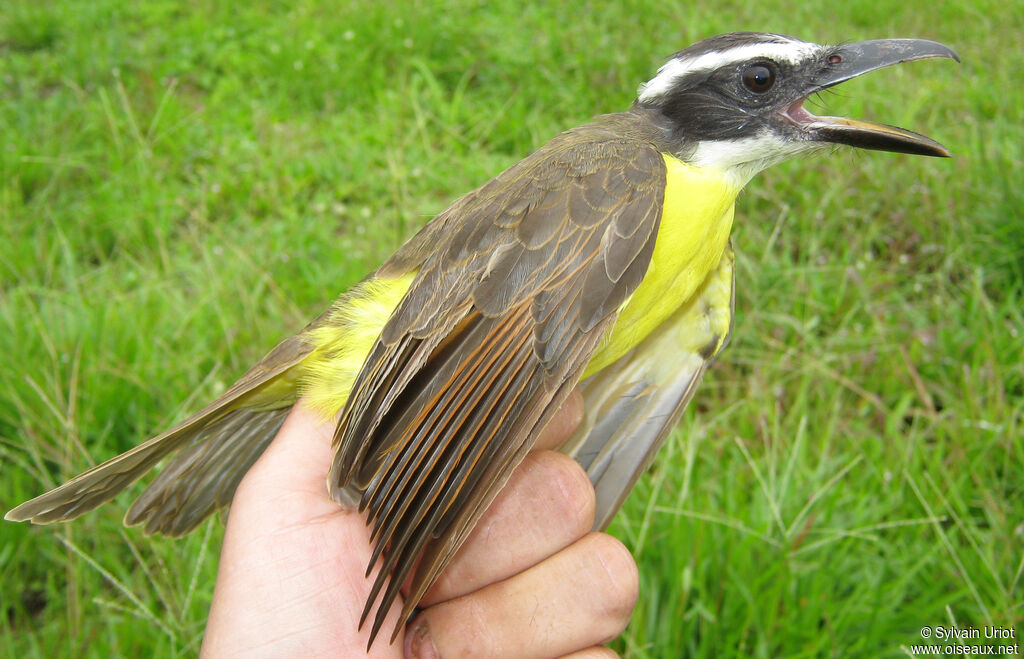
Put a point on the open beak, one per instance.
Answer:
(850, 61)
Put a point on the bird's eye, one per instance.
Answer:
(758, 78)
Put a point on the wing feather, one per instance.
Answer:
(449, 397)
(633, 404)
(203, 478)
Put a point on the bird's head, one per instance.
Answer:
(736, 101)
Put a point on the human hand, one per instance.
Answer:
(530, 581)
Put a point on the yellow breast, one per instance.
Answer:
(693, 234)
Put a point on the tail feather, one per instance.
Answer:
(203, 477)
(245, 418)
(103, 482)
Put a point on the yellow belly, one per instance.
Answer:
(693, 234)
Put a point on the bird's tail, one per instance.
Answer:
(216, 451)
(217, 446)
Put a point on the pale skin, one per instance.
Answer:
(531, 581)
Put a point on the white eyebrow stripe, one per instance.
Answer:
(792, 52)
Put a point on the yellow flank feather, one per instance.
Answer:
(274, 394)
(693, 235)
(702, 325)
(344, 340)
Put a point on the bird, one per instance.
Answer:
(601, 261)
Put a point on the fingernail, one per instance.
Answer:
(418, 644)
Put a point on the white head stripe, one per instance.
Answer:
(792, 52)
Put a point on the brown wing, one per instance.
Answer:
(516, 284)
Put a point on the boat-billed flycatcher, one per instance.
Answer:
(602, 260)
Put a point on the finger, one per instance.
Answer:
(562, 425)
(301, 453)
(581, 597)
(547, 505)
(292, 559)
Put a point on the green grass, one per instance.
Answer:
(183, 185)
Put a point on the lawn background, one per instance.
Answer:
(184, 184)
